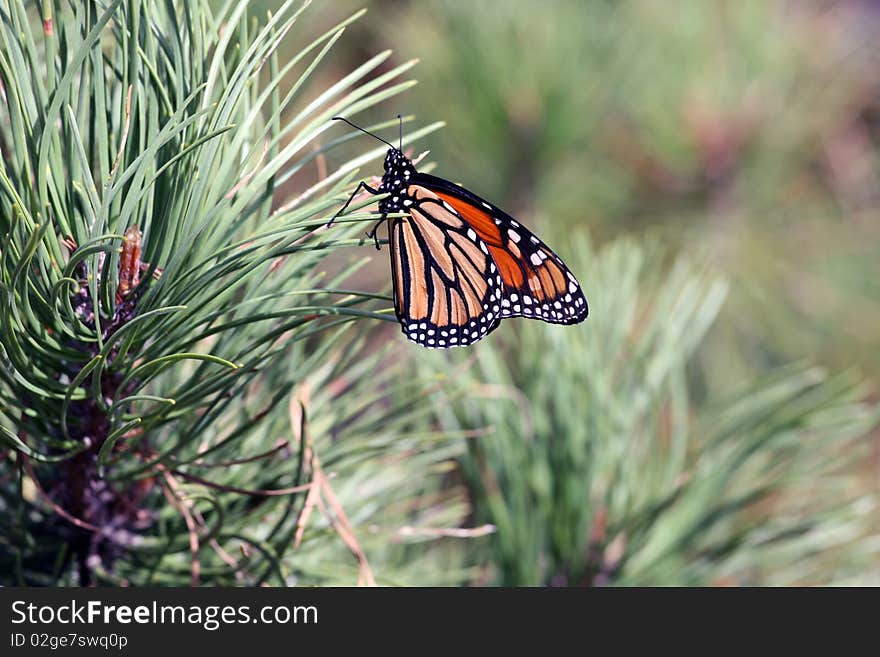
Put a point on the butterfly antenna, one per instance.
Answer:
(400, 122)
(339, 118)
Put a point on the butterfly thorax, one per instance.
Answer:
(399, 170)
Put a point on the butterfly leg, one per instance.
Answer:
(372, 231)
(361, 185)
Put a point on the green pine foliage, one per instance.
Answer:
(176, 370)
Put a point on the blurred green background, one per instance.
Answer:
(738, 138)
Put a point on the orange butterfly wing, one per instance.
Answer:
(447, 290)
(537, 284)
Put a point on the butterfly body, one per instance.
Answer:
(460, 264)
(399, 170)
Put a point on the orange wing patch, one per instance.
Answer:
(500, 248)
(484, 225)
(418, 294)
(536, 282)
(463, 265)
(479, 220)
(447, 290)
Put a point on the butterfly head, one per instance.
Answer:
(397, 162)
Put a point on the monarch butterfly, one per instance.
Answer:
(460, 264)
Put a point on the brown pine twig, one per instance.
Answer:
(172, 494)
